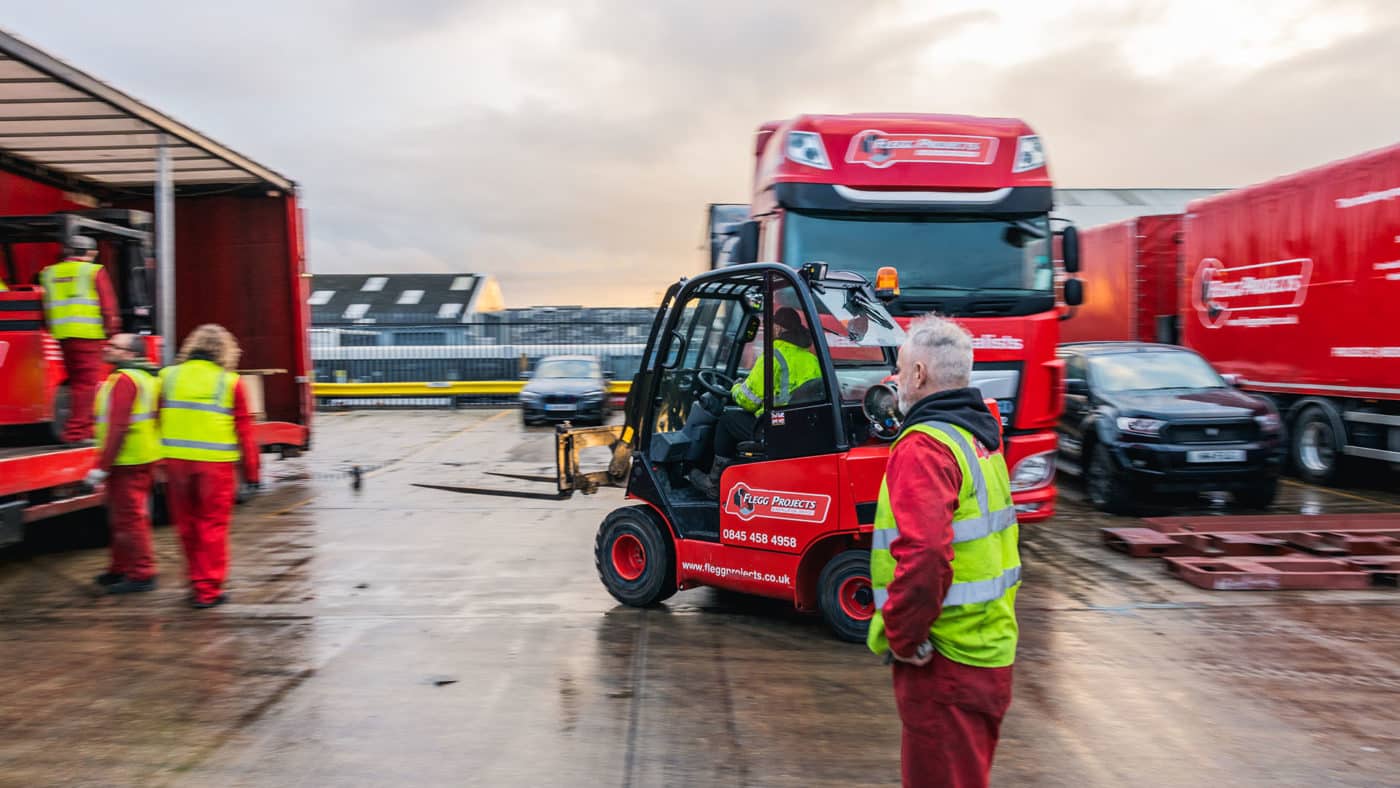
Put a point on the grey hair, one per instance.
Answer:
(944, 347)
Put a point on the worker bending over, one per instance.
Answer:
(944, 564)
(206, 430)
(128, 442)
(797, 364)
(80, 309)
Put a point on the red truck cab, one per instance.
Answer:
(960, 207)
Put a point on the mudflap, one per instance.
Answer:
(11, 523)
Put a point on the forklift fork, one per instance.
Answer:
(569, 476)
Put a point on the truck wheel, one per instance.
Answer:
(1317, 448)
(845, 597)
(634, 557)
(1259, 496)
(1106, 491)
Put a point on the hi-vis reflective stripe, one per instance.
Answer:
(972, 528)
(135, 417)
(184, 404)
(58, 321)
(75, 302)
(968, 593)
(784, 379)
(177, 443)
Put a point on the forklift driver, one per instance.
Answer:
(797, 364)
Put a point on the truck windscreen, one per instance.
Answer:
(935, 255)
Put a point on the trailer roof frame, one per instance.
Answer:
(50, 110)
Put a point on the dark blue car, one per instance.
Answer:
(566, 388)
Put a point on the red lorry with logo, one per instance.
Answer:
(960, 208)
(234, 235)
(1291, 286)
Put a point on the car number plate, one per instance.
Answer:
(1216, 455)
(553, 408)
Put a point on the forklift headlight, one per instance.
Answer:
(1034, 471)
(806, 148)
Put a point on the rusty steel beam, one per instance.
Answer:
(1269, 523)
(1269, 574)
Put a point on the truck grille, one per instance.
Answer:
(1233, 432)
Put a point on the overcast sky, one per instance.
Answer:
(570, 147)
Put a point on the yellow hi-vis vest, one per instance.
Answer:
(196, 412)
(71, 305)
(977, 625)
(796, 365)
(141, 444)
(3, 288)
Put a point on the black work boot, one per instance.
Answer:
(708, 484)
(132, 586)
(215, 602)
(109, 578)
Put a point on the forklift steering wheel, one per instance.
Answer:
(715, 382)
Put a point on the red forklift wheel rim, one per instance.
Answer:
(629, 557)
(849, 589)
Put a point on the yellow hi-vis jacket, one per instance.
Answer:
(196, 412)
(141, 444)
(72, 307)
(796, 365)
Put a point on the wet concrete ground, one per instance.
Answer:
(398, 635)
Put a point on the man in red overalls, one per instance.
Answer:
(80, 308)
(206, 430)
(130, 446)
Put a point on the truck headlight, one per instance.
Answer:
(1030, 154)
(1136, 426)
(806, 148)
(1269, 422)
(1034, 471)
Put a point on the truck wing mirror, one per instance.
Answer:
(1069, 249)
(1231, 379)
(1074, 292)
(745, 244)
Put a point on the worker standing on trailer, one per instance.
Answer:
(206, 430)
(80, 308)
(944, 564)
(797, 364)
(129, 443)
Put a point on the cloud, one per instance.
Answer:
(570, 148)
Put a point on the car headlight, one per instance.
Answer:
(1034, 471)
(806, 148)
(1030, 154)
(1136, 426)
(1269, 422)
(529, 396)
(592, 396)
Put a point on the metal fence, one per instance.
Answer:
(491, 349)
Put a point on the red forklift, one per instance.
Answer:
(794, 514)
(33, 390)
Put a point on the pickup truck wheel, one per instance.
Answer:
(1106, 490)
(845, 596)
(634, 557)
(1316, 446)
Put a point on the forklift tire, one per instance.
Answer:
(635, 558)
(845, 596)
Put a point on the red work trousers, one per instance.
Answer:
(82, 360)
(200, 495)
(129, 519)
(952, 718)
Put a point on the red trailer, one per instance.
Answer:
(1132, 280)
(227, 249)
(1291, 285)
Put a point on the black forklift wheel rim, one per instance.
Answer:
(629, 557)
